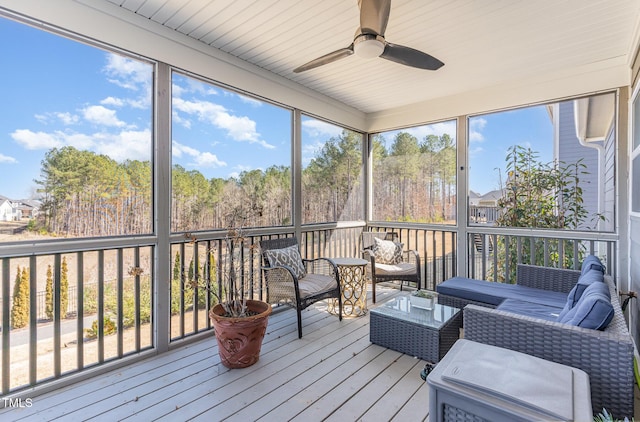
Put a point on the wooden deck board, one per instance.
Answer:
(332, 373)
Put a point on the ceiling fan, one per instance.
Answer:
(369, 42)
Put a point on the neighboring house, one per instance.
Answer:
(28, 208)
(474, 198)
(584, 129)
(6, 209)
(483, 209)
(490, 199)
(11, 210)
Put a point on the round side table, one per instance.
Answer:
(353, 284)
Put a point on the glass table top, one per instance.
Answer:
(400, 308)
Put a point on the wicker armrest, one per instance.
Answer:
(606, 356)
(555, 279)
(320, 266)
(411, 256)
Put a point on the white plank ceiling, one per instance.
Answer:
(483, 43)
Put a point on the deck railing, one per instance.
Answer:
(97, 307)
(206, 253)
(107, 311)
(494, 255)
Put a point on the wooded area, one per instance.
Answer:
(85, 194)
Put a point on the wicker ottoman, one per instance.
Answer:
(426, 334)
(479, 382)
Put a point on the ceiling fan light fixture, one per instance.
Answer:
(368, 46)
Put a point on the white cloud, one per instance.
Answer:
(178, 149)
(67, 118)
(200, 159)
(476, 125)
(177, 90)
(127, 73)
(196, 86)
(102, 116)
(317, 128)
(133, 75)
(176, 118)
(38, 140)
(7, 159)
(112, 101)
(126, 145)
(78, 140)
(248, 100)
(239, 128)
(207, 159)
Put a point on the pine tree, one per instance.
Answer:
(49, 293)
(191, 274)
(20, 308)
(64, 288)
(176, 267)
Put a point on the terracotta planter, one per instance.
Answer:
(240, 339)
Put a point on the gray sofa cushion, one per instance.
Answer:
(535, 310)
(594, 309)
(495, 293)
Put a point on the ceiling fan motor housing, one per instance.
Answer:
(368, 46)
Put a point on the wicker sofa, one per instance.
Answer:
(606, 356)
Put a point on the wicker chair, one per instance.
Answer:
(320, 279)
(406, 271)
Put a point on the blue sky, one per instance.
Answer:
(491, 135)
(59, 92)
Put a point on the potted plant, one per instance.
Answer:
(239, 323)
(423, 299)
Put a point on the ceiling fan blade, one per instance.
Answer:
(327, 58)
(410, 57)
(374, 16)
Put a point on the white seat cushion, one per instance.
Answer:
(403, 268)
(315, 283)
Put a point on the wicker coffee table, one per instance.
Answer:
(426, 334)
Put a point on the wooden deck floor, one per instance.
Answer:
(333, 373)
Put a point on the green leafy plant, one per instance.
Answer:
(424, 294)
(540, 195)
(605, 416)
(109, 327)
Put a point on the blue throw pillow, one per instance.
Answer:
(592, 262)
(585, 280)
(594, 309)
